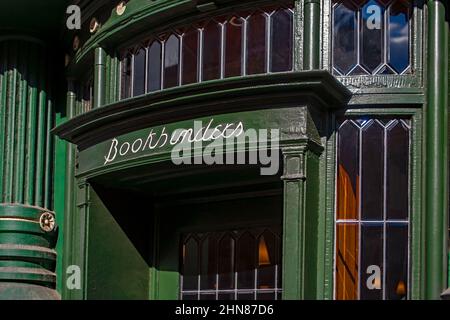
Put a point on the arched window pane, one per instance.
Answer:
(154, 67)
(246, 261)
(190, 264)
(256, 43)
(190, 56)
(212, 48)
(372, 171)
(126, 77)
(139, 72)
(281, 35)
(348, 172)
(171, 62)
(234, 29)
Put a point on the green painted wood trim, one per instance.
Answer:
(436, 140)
(99, 78)
(301, 178)
(311, 44)
(192, 101)
(68, 241)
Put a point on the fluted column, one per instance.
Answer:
(27, 223)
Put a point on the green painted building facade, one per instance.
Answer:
(353, 94)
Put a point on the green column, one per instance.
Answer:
(27, 221)
(311, 35)
(436, 152)
(300, 225)
(99, 77)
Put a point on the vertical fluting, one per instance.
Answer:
(27, 223)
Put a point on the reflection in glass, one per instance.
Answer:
(245, 261)
(211, 50)
(344, 37)
(190, 54)
(190, 264)
(372, 171)
(256, 44)
(154, 67)
(376, 234)
(372, 40)
(347, 240)
(231, 264)
(126, 77)
(226, 262)
(348, 172)
(139, 72)
(281, 41)
(267, 260)
(371, 37)
(399, 36)
(397, 171)
(171, 61)
(234, 30)
(371, 259)
(396, 262)
(209, 263)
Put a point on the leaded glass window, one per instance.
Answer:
(372, 210)
(241, 43)
(231, 265)
(371, 37)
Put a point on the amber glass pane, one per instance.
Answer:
(372, 29)
(139, 72)
(372, 171)
(344, 37)
(126, 77)
(234, 29)
(267, 260)
(256, 43)
(396, 262)
(226, 262)
(209, 264)
(399, 36)
(281, 34)
(246, 261)
(397, 172)
(348, 172)
(211, 50)
(190, 264)
(154, 67)
(190, 55)
(371, 255)
(347, 262)
(171, 62)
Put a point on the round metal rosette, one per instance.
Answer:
(47, 221)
